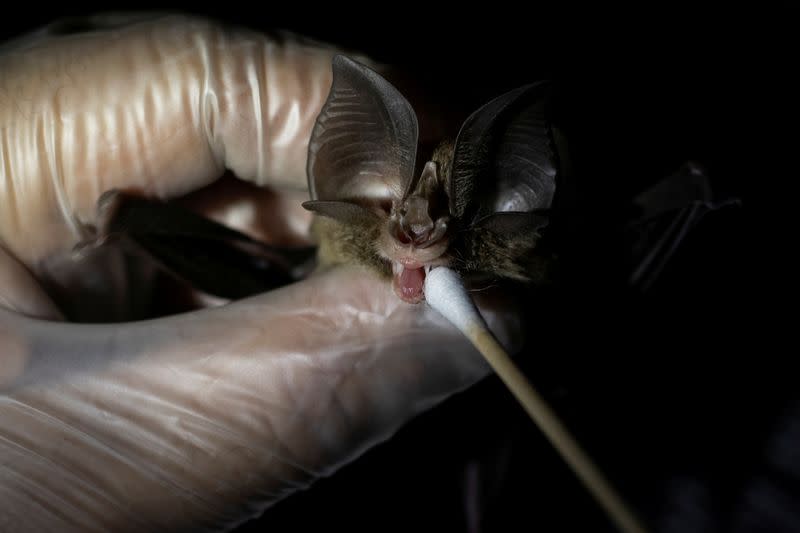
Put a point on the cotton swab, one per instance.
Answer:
(445, 292)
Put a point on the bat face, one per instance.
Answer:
(417, 233)
(476, 204)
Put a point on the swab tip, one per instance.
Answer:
(445, 292)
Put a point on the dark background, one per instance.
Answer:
(679, 393)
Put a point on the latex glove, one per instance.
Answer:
(202, 420)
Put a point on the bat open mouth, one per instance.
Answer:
(409, 280)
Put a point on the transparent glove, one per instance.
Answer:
(201, 420)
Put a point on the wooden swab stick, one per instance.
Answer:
(445, 292)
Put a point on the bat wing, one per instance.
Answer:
(211, 257)
(670, 210)
(364, 144)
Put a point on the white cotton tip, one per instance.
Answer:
(445, 292)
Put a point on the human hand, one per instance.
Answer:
(202, 420)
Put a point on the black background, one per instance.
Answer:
(678, 393)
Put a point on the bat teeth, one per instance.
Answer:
(397, 267)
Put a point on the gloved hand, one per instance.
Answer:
(202, 420)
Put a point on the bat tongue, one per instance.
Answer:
(409, 283)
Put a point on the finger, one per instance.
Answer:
(161, 106)
(208, 418)
(22, 293)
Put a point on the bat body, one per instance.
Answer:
(475, 203)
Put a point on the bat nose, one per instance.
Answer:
(415, 220)
(415, 234)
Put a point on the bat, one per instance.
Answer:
(477, 203)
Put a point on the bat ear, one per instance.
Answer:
(364, 143)
(504, 159)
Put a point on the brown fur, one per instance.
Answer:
(341, 243)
